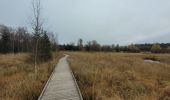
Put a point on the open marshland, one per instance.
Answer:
(122, 76)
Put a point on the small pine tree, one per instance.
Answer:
(5, 40)
(156, 48)
(45, 47)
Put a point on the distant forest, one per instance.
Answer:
(20, 40)
(133, 48)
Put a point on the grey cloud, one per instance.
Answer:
(107, 21)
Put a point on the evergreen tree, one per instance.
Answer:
(45, 47)
(5, 42)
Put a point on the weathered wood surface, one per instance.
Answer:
(61, 85)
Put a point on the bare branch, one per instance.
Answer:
(36, 22)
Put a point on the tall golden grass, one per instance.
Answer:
(121, 76)
(17, 77)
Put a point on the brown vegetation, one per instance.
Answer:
(17, 77)
(121, 76)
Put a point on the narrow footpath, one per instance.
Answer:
(62, 84)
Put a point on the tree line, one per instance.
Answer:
(133, 48)
(20, 40)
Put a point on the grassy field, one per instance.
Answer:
(122, 76)
(17, 77)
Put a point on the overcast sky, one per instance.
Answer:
(107, 21)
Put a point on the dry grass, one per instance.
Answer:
(17, 77)
(121, 76)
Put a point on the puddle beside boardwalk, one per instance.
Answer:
(152, 61)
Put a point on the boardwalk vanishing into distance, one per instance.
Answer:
(62, 84)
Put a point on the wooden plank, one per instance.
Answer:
(62, 84)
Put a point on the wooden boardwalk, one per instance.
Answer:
(62, 84)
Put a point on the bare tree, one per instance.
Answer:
(36, 21)
(37, 26)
